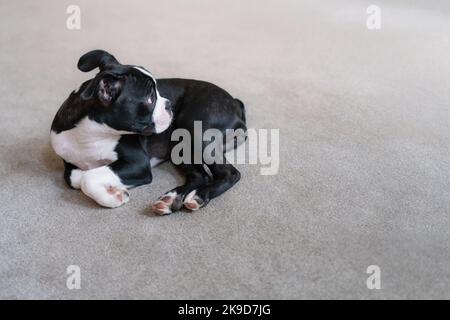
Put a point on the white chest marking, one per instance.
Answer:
(89, 145)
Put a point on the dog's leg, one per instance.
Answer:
(224, 177)
(107, 185)
(101, 184)
(171, 201)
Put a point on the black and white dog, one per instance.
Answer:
(118, 125)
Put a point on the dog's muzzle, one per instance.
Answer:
(162, 115)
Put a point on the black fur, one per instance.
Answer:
(115, 97)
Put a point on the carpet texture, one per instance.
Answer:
(364, 152)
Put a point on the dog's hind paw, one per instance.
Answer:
(167, 204)
(193, 202)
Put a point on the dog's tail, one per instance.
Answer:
(242, 106)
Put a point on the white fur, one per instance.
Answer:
(98, 184)
(190, 196)
(75, 178)
(191, 201)
(146, 72)
(164, 207)
(161, 117)
(155, 161)
(88, 145)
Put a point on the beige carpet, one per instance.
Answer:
(364, 152)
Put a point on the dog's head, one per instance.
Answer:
(125, 97)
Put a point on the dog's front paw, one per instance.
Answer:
(102, 185)
(110, 196)
(117, 196)
(167, 204)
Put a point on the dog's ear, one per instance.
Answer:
(108, 89)
(87, 89)
(96, 58)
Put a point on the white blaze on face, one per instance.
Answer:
(161, 116)
(146, 72)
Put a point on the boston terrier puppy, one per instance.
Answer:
(117, 126)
